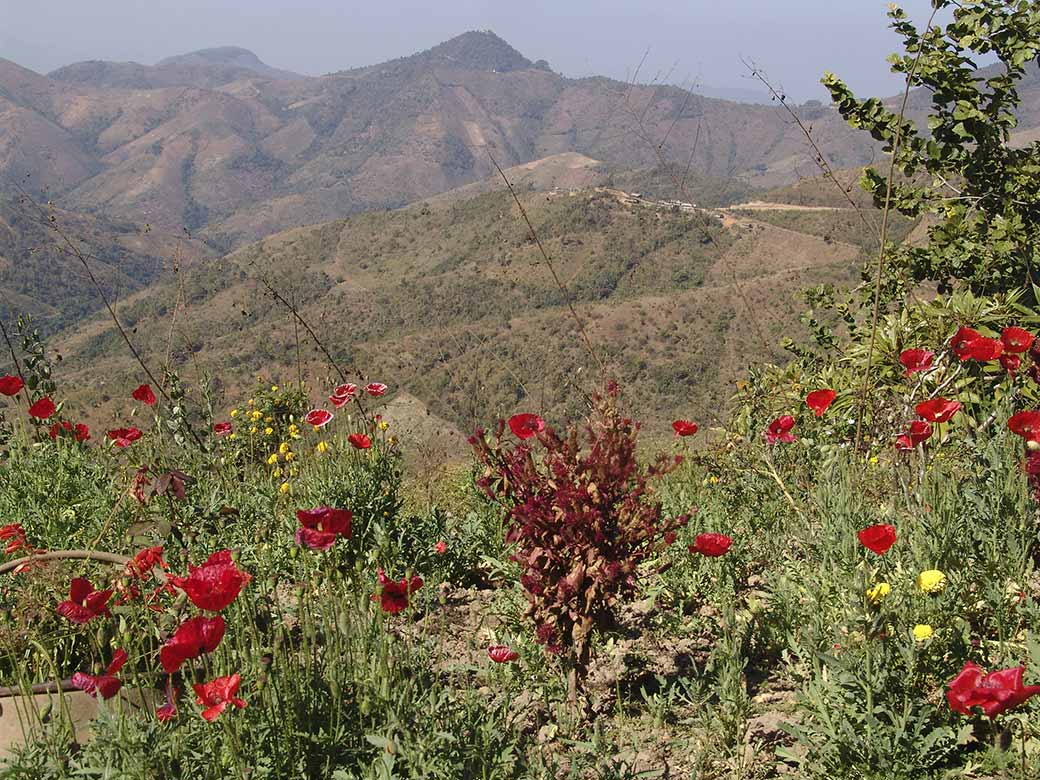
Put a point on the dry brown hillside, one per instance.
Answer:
(452, 303)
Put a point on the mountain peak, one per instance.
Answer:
(228, 56)
(480, 50)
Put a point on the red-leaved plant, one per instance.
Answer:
(583, 519)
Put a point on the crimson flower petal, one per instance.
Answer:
(711, 545)
(10, 385)
(780, 430)
(878, 538)
(42, 409)
(502, 654)
(938, 410)
(1017, 340)
(915, 360)
(318, 417)
(684, 428)
(819, 400)
(144, 394)
(526, 425)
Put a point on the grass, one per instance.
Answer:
(767, 660)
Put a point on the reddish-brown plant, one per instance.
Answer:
(583, 517)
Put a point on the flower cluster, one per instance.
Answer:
(210, 587)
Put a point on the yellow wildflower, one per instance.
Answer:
(255, 415)
(269, 419)
(392, 441)
(274, 388)
(876, 594)
(268, 431)
(383, 425)
(290, 456)
(323, 446)
(276, 473)
(283, 488)
(294, 431)
(234, 412)
(251, 401)
(233, 436)
(253, 429)
(713, 479)
(923, 631)
(272, 459)
(931, 581)
(283, 447)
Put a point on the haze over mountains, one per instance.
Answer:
(178, 163)
(221, 144)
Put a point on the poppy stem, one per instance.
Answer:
(67, 555)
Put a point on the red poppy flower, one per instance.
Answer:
(393, 595)
(10, 385)
(376, 389)
(82, 432)
(684, 428)
(42, 409)
(213, 585)
(1026, 424)
(440, 548)
(961, 339)
(711, 545)
(1011, 363)
(1017, 339)
(147, 559)
(938, 410)
(878, 538)
(144, 394)
(168, 711)
(216, 695)
(502, 654)
(917, 432)
(106, 685)
(15, 536)
(221, 428)
(192, 638)
(124, 437)
(345, 390)
(524, 426)
(320, 527)
(342, 394)
(359, 441)
(84, 603)
(915, 360)
(995, 693)
(780, 430)
(819, 400)
(981, 349)
(318, 417)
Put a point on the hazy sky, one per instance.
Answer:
(702, 40)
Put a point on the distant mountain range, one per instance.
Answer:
(221, 144)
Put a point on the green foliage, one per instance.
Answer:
(982, 193)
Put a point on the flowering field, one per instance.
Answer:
(262, 598)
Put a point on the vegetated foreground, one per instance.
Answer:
(266, 594)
